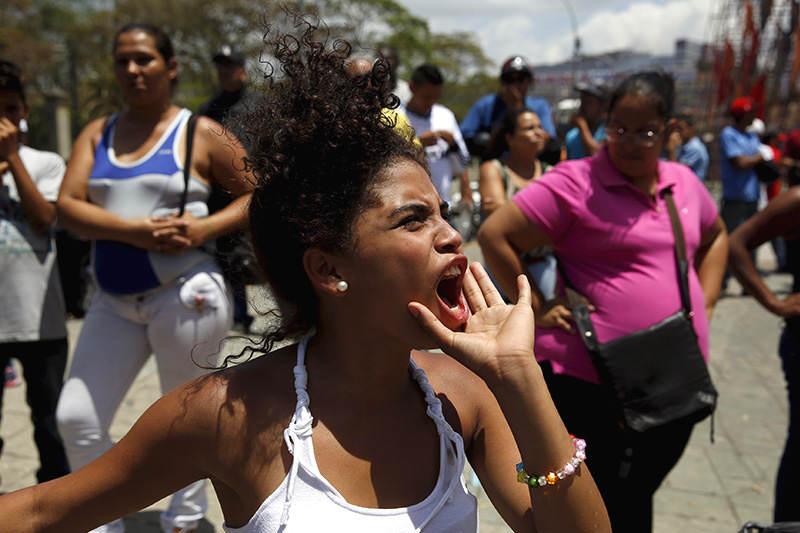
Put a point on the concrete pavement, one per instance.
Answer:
(714, 489)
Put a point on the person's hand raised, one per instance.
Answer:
(9, 139)
(497, 336)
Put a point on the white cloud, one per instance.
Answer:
(542, 30)
(646, 26)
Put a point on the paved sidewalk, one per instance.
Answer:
(714, 489)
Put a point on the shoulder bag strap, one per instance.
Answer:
(187, 162)
(680, 252)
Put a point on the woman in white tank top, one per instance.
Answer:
(344, 431)
(159, 289)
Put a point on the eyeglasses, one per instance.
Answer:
(646, 139)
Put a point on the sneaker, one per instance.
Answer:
(11, 377)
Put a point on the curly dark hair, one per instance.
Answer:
(318, 145)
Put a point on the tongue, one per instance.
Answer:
(447, 292)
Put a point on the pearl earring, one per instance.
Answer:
(342, 286)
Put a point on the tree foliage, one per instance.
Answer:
(64, 46)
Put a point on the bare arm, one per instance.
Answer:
(779, 218)
(504, 237)
(466, 189)
(590, 145)
(219, 157)
(710, 261)
(162, 453)
(491, 187)
(744, 162)
(39, 212)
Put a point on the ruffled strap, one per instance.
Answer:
(300, 427)
(434, 411)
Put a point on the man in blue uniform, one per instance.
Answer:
(516, 78)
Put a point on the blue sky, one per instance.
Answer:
(541, 30)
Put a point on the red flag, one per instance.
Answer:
(724, 61)
(750, 44)
(759, 95)
(796, 60)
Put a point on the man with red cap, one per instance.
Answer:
(739, 154)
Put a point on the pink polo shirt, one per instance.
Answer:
(616, 247)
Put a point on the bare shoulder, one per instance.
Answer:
(94, 129)
(210, 131)
(461, 392)
(489, 168)
(233, 409)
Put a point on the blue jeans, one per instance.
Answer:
(786, 508)
(544, 274)
(734, 213)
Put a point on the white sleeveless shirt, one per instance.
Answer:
(306, 501)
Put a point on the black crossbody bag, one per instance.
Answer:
(234, 253)
(657, 374)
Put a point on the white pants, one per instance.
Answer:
(181, 323)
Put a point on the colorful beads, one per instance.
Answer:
(553, 477)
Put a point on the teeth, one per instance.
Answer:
(452, 272)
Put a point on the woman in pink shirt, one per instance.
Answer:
(607, 221)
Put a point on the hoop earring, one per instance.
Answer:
(342, 286)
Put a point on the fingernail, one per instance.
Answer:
(414, 311)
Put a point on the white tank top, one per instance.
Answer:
(306, 501)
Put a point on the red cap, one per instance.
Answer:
(741, 105)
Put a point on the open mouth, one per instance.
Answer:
(448, 290)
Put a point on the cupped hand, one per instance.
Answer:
(429, 138)
(788, 307)
(9, 138)
(555, 314)
(447, 136)
(193, 230)
(159, 234)
(578, 120)
(497, 336)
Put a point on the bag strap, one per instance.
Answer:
(680, 252)
(580, 313)
(187, 161)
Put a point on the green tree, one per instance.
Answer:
(65, 45)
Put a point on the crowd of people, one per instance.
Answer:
(341, 176)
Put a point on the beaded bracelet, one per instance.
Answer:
(561, 473)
